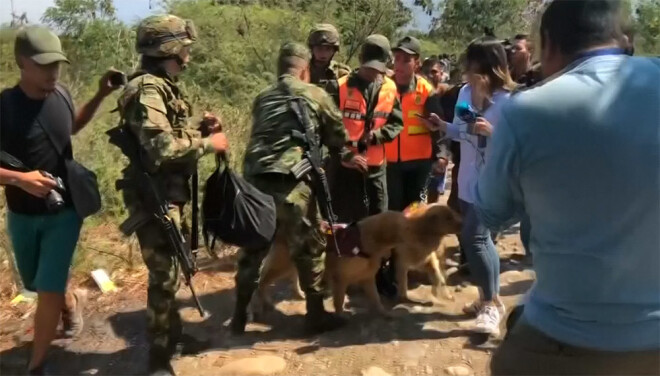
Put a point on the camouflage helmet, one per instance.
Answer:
(164, 35)
(323, 34)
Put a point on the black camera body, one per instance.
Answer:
(118, 79)
(54, 199)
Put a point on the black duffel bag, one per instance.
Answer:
(236, 212)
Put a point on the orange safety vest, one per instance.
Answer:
(354, 112)
(414, 142)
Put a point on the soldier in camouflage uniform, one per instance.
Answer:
(270, 155)
(323, 41)
(155, 110)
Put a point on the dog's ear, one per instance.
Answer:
(443, 219)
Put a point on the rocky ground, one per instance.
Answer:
(420, 340)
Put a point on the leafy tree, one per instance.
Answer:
(72, 16)
(464, 20)
(93, 38)
(648, 25)
(427, 5)
(357, 19)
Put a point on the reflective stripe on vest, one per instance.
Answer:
(414, 142)
(353, 107)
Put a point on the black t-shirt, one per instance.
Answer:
(22, 136)
(443, 104)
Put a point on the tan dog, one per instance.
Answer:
(423, 249)
(379, 235)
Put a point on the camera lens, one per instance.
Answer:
(54, 201)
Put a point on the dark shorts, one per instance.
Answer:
(43, 247)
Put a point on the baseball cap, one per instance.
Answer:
(376, 52)
(409, 45)
(39, 44)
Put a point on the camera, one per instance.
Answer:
(118, 79)
(54, 199)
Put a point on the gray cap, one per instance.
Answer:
(39, 44)
(376, 52)
(409, 45)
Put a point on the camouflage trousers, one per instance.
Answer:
(298, 223)
(163, 320)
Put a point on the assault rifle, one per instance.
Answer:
(311, 164)
(156, 208)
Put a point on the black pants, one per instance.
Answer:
(348, 188)
(405, 182)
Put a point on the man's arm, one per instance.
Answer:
(87, 111)
(498, 195)
(392, 128)
(333, 132)
(149, 122)
(32, 182)
(9, 177)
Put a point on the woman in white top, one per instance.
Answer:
(489, 85)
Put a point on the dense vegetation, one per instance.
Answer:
(239, 39)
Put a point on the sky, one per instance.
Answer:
(130, 11)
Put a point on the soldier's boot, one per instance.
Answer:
(317, 319)
(181, 343)
(159, 362)
(240, 317)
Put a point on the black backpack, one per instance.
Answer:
(236, 212)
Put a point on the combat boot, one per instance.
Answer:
(240, 317)
(181, 343)
(159, 363)
(185, 344)
(317, 320)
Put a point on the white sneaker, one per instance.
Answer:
(488, 321)
(475, 307)
(501, 308)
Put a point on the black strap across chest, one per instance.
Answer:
(61, 139)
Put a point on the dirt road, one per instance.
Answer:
(420, 340)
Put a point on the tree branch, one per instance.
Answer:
(246, 37)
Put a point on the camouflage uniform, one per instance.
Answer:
(157, 113)
(270, 155)
(326, 77)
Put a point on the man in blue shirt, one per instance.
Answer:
(580, 154)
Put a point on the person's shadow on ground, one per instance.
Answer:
(92, 354)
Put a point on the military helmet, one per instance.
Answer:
(323, 34)
(164, 35)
